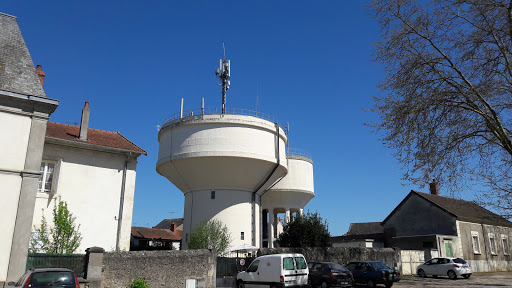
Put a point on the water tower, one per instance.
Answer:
(224, 161)
(289, 195)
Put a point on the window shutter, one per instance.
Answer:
(56, 177)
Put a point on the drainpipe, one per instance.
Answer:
(121, 204)
(253, 202)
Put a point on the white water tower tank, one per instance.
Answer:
(222, 163)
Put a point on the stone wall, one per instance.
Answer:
(159, 268)
(342, 255)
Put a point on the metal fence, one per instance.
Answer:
(229, 265)
(75, 262)
(298, 152)
(218, 110)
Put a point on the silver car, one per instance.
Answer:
(445, 266)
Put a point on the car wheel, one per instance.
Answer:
(388, 285)
(324, 285)
(240, 284)
(452, 275)
(421, 273)
(466, 276)
(370, 284)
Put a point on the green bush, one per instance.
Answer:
(138, 283)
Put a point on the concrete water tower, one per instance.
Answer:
(289, 195)
(224, 161)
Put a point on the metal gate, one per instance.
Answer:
(75, 262)
(228, 265)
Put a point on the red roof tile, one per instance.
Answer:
(94, 137)
(152, 233)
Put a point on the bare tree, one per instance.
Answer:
(446, 100)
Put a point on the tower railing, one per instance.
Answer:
(298, 152)
(218, 110)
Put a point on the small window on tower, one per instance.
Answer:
(213, 194)
(242, 236)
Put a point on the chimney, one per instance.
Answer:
(173, 226)
(84, 123)
(40, 73)
(434, 188)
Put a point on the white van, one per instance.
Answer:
(277, 270)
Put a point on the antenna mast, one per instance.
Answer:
(224, 72)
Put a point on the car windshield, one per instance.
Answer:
(460, 261)
(337, 267)
(379, 265)
(50, 278)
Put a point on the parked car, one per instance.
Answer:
(373, 272)
(328, 274)
(277, 270)
(46, 277)
(445, 266)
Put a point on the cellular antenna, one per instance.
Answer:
(224, 72)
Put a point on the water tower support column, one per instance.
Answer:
(270, 234)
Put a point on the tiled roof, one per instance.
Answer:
(152, 233)
(17, 71)
(365, 228)
(94, 137)
(166, 223)
(465, 210)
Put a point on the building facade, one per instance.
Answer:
(453, 228)
(24, 113)
(94, 172)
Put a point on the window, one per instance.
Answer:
(213, 195)
(476, 243)
(254, 266)
(492, 244)
(242, 236)
(288, 263)
(46, 178)
(301, 263)
(504, 240)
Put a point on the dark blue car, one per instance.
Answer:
(328, 274)
(372, 273)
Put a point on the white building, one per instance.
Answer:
(234, 168)
(94, 172)
(24, 112)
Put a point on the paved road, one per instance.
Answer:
(501, 279)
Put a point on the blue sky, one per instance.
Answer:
(307, 63)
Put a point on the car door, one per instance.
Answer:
(427, 267)
(430, 269)
(362, 272)
(357, 272)
(289, 271)
(301, 270)
(443, 266)
(315, 274)
(368, 271)
(252, 279)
